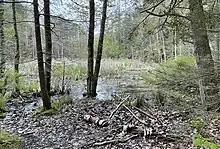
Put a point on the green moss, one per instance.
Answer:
(9, 141)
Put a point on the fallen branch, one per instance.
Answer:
(96, 120)
(115, 141)
(143, 122)
(149, 115)
(110, 117)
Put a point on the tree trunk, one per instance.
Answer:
(164, 57)
(218, 53)
(118, 16)
(100, 48)
(175, 43)
(44, 92)
(204, 59)
(17, 53)
(180, 48)
(91, 47)
(218, 46)
(48, 43)
(2, 39)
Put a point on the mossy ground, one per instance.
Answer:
(9, 141)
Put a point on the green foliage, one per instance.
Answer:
(77, 71)
(24, 86)
(3, 101)
(174, 74)
(181, 62)
(56, 106)
(110, 47)
(35, 85)
(9, 141)
(200, 141)
(27, 86)
(8, 82)
(197, 123)
(9, 31)
(65, 100)
(44, 111)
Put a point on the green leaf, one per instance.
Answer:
(198, 141)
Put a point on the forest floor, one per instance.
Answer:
(101, 123)
(69, 130)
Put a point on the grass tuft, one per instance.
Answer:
(56, 106)
(9, 141)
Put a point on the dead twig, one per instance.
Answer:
(113, 112)
(149, 115)
(145, 113)
(115, 141)
(21, 97)
(143, 122)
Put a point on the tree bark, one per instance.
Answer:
(100, 48)
(218, 46)
(44, 92)
(91, 47)
(204, 59)
(164, 57)
(48, 43)
(17, 53)
(2, 39)
(175, 43)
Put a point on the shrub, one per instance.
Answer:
(7, 83)
(174, 74)
(3, 101)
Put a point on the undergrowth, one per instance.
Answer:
(200, 141)
(56, 106)
(174, 78)
(9, 141)
(3, 102)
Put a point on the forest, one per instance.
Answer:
(109, 74)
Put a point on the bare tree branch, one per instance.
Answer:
(166, 14)
(9, 2)
(80, 5)
(172, 5)
(64, 19)
(155, 6)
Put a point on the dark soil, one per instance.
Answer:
(69, 130)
